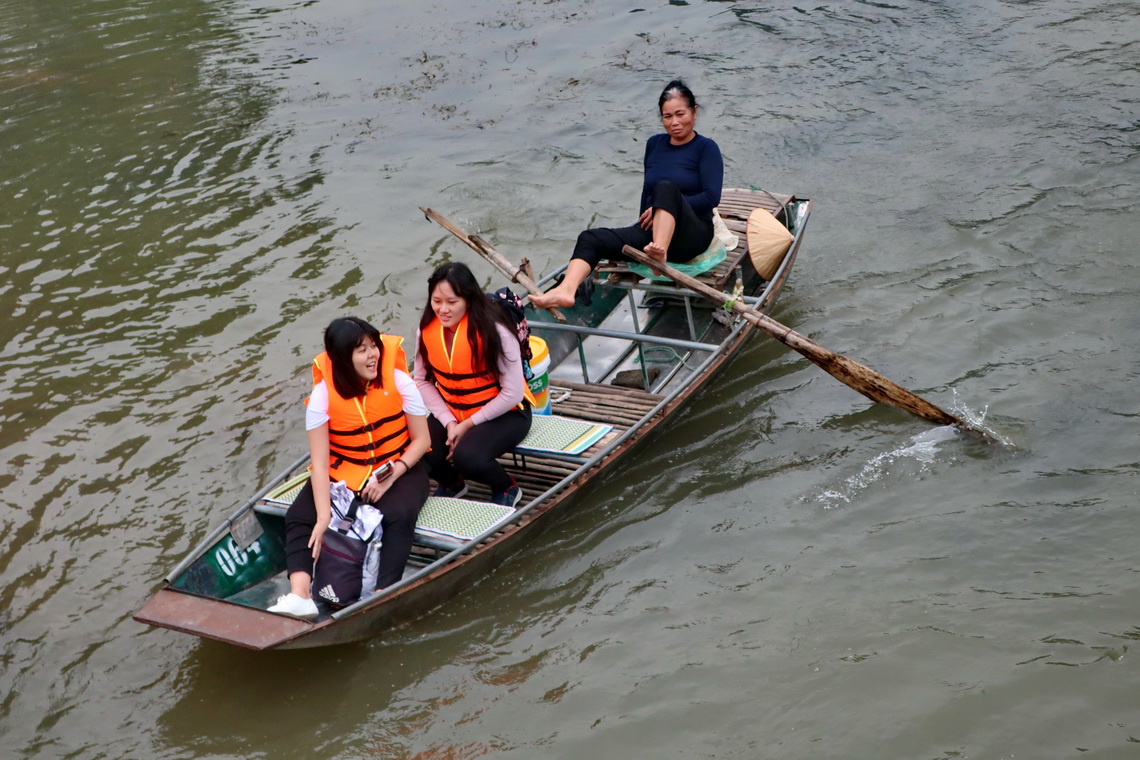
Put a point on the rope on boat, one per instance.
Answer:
(557, 396)
(780, 205)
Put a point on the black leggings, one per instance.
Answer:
(400, 506)
(474, 456)
(691, 238)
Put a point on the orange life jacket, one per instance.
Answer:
(465, 387)
(365, 431)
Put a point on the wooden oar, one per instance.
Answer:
(851, 373)
(483, 248)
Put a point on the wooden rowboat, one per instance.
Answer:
(618, 369)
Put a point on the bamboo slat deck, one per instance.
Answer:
(735, 205)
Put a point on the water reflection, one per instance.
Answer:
(254, 695)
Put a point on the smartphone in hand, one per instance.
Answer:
(384, 472)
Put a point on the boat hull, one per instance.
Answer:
(192, 601)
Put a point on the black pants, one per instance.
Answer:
(691, 237)
(474, 456)
(400, 506)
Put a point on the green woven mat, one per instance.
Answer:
(564, 435)
(286, 492)
(460, 518)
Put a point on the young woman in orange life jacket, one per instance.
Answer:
(364, 412)
(469, 372)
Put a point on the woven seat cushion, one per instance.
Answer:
(562, 435)
(460, 519)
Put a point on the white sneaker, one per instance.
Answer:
(291, 604)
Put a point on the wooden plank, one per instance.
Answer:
(231, 623)
(634, 394)
(738, 202)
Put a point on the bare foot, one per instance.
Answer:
(655, 251)
(553, 298)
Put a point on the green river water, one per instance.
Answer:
(191, 189)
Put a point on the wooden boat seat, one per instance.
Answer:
(735, 206)
(449, 523)
(443, 524)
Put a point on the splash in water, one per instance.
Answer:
(921, 452)
(976, 420)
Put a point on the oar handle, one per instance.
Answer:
(496, 259)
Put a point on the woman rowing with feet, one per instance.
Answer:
(684, 172)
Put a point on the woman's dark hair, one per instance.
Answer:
(482, 316)
(677, 89)
(342, 336)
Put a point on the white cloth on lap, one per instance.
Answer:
(366, 527)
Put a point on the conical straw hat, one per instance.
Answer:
(768, 241)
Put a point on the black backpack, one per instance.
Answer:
(512, 306)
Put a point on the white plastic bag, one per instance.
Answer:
(723, 233)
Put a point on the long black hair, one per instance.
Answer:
(342, 336)
(677, 89)
(482, 316)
